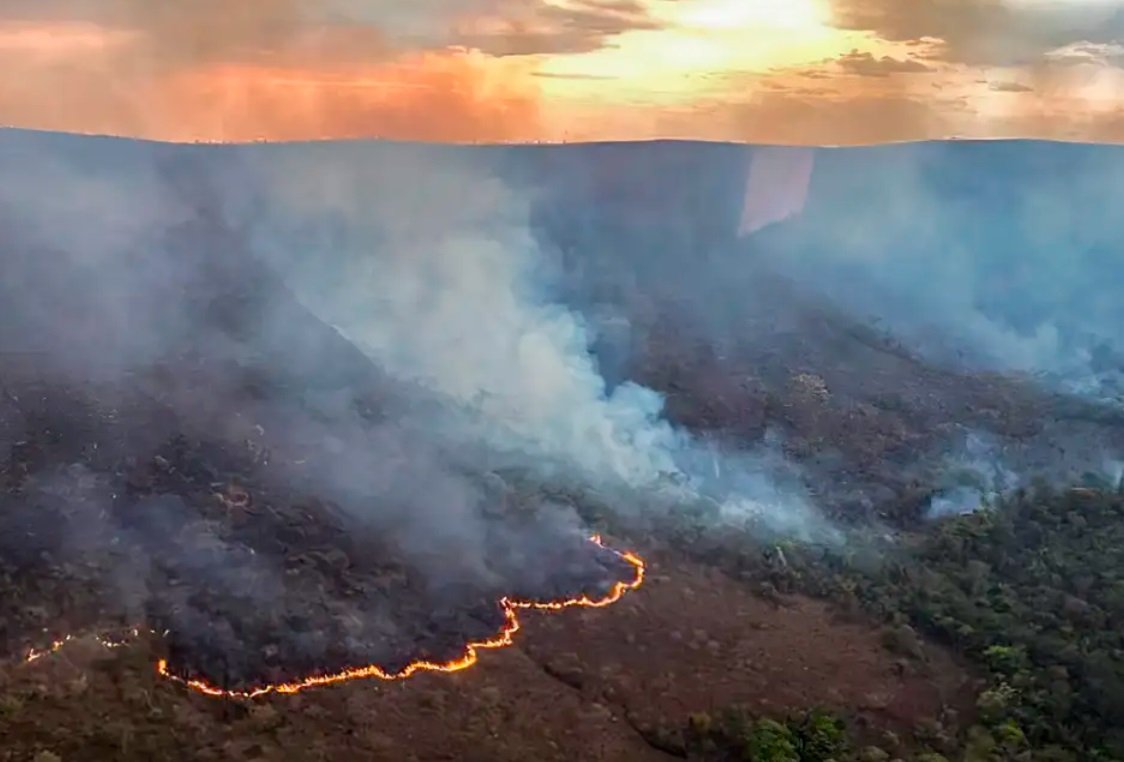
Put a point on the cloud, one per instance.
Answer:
(1009, 87)
(287, 69)
(284, 69)
(58, 42)
(987, 31)
(1081, 80)
(576, 77)
(793, 118)
(1107, 127)
(424, 96)
(1083, 53)
(264, 31)
(579, 26)
(813, 74)
(867, 65)
(178, 33)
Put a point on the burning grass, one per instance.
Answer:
(254, 585)
(503, 638)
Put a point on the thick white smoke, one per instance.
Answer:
(429, 268)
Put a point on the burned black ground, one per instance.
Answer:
(114, 517)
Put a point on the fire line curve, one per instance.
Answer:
(505, 637)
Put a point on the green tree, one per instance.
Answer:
(821, 737)
(770, 741)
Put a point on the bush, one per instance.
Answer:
(821, 737)
(814, 737)
(770, 741)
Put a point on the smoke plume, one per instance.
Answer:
(427, 262)
(351, 360)
(870, 305)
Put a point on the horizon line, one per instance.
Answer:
(543, 143)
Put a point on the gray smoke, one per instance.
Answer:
(427, 262)
(976, 474)
(982, 255)
(123, 256)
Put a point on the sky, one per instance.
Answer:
(809, 72)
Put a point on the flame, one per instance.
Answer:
(502, 639)
(35, 654)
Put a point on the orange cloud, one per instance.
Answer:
(426, 96)
(567, 69)
(174, 32)
(580, 26)
(58, 41)
(790, 118)
(868, 65)
(119, 89)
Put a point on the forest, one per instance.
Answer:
(1028, 590)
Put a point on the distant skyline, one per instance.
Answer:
(810, 72)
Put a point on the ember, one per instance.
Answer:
(503, 638)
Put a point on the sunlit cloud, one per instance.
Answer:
(790, 71)
(991, 32)
(73, 40)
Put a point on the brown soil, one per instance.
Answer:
(588, 684)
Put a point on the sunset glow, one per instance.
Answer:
(802, 71)
(701, 46)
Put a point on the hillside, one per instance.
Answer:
(298, 408)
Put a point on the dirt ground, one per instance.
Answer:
(590, 684)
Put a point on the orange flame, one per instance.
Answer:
(505, 637)
(35, 654)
